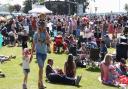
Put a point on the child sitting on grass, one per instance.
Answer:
(25, 65)
(57, 75)
(113, 75)
(123, 67)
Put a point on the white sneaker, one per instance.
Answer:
(78, 80)
(123, 86)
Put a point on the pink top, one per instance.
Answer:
(104, 72)
(111, 28)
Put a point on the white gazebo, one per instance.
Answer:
(39, 9)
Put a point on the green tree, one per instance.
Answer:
(41, 2)
(126, 7)
(80, 1)
(17, 7)
(27, 6)
(11, 8)
(84, 2)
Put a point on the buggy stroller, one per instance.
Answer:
(121, 51)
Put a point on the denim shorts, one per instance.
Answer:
(41, 59)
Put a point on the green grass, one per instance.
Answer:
(14, 74)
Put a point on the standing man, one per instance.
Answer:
(41, 39)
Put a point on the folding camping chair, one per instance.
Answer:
(94, 56)
(121, 51)
(73, 50)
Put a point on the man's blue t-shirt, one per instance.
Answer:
(40, 45)
(103, 49)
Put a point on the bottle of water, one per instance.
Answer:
(1, 40)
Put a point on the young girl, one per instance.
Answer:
(113, 75)
(25, 64)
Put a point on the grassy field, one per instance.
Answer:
(14, 74)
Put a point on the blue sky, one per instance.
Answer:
(102, 5)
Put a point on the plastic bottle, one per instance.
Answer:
(1, 40)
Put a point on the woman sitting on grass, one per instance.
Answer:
(57, 75)
(108, 74)
(70, 67)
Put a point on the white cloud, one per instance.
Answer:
(103, 5)
(108, 5)
(12, 2)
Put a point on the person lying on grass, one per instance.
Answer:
(6, 58)
(57, 75)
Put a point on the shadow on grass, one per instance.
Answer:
(91, 69)
(2, 75)
(59, 53)
(110, 85)
(79, 86)
(10, 46)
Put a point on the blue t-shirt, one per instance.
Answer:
(40, 45)
(103, 49)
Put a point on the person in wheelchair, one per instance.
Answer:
(83, 54)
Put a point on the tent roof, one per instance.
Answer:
(40, 9)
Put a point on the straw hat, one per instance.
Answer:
(42, 16)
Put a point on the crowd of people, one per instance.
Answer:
(85, 39)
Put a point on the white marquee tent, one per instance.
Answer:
(40, 9)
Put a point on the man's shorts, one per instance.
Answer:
(41, 59)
